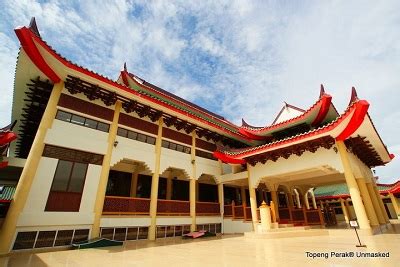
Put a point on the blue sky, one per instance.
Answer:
(236, 58)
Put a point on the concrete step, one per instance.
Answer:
(293, 228)
(285, 225)
(287, 234)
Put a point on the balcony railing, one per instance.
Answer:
(115, 205)
(207, 208)
(297, 216)
(239, 212)
(173, 207)
(126, 206)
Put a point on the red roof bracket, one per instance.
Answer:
(25, 37)
(225, 158)
(326, 101)
(355, 121)
(7, 138)
(391, 156)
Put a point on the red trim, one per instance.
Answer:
(25, 37)
(223, 157)
(333, 197)
(355, 121)
(323, 110)
(5, 201)
(7, 138)
(391, 156)
(26, 32)
(318, 131)
(266, 130)
(250, 135)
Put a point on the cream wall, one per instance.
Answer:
(175, 159)
(295, 163)
(208, 219)
(235, 227)
(34, 214)
(124, 221)
(287, 114)
(135, 150)
(77, 137)
(174, 220)
(207, 166)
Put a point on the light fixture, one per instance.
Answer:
(115, 143)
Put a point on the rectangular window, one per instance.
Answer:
(104, 127)
(179, 148)
(78, 120)
(63, 116)
(62, 175)
(164, 143)
(122, 132)
(91, 123)
(141, 138)
(77, 179)
(151, 140)
(172, 146)
(132, 135)
(68, 182)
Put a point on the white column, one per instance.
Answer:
(314, 203)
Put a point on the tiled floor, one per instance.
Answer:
(225, 251)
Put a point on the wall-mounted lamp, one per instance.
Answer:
(193, 161)
(115, 143)
(335, 149)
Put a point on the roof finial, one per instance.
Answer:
(322, 91)
(245, 124)
(33, 27)
(354, 96)
(125, 68)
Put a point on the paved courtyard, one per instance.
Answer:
(229, 250)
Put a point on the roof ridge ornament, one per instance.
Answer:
(33, 27)
(354, 96)
(322, 91)
(125, 68)
(245, 124)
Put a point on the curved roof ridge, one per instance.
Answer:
(176, 98)
(237, 152)
(219, 123)
(297, 118)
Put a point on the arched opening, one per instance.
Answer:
(283, 194)
(173, 185)
(129, 178)
(128, 188)
(207, 189)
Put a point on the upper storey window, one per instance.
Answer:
(136, 136)
(79, 120)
